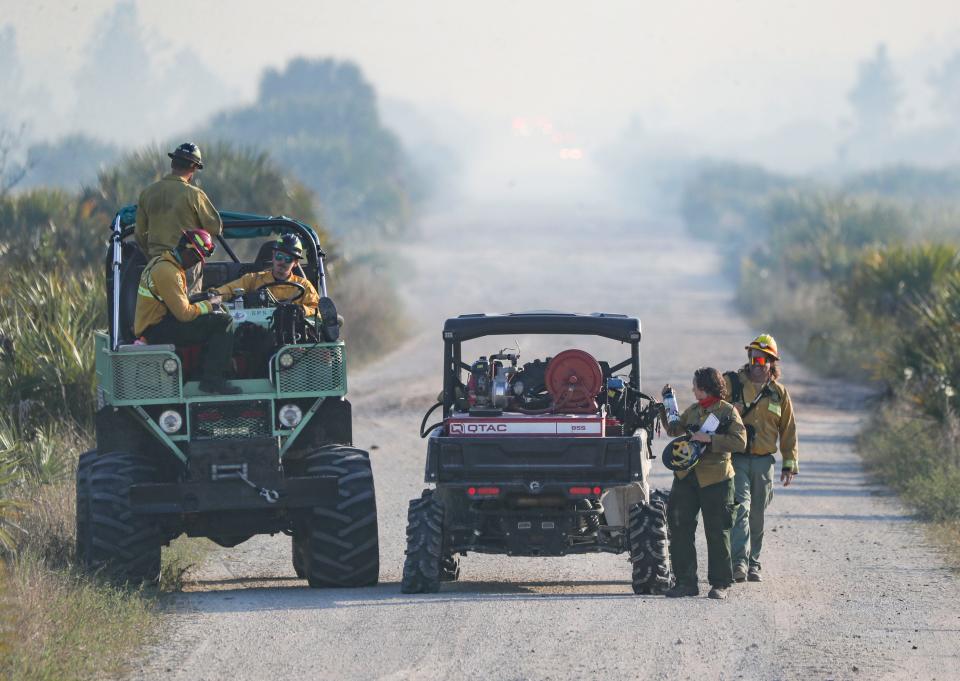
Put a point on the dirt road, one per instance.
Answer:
(853, 588)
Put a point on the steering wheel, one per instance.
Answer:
(270, 284)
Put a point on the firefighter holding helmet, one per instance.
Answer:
(166, 315)
(168, 207)
(767, 412)
(707, 432)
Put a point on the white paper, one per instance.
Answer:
(710, 425)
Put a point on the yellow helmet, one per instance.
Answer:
(764, 343)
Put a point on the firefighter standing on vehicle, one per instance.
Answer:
(703, 485)
(168, 207)
(166, 315)
(287, 252)
(767, 413)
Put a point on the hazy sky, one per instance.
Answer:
(734, 68)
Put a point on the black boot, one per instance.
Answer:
(681, 590)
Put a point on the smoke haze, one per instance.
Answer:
(528, 95)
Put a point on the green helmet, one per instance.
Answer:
(188, 151)
(289, 244)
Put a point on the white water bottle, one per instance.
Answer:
(670, 402)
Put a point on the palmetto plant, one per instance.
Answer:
(9, 507)
(50, 323)
(888, 281)
(929, 354)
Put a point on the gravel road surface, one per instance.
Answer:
(854, 589)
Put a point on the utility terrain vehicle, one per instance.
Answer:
(278, 457)
(541, 458)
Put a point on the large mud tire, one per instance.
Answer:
(650, 548)
(111, 539)
(339, 539)
(424, 565)
(83, 505)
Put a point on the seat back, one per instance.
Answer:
(131, 268)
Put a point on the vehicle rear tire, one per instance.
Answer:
(649, 548)
(111, 538)
(423, 567)
(340, 539)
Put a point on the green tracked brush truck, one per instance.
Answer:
(276, 458)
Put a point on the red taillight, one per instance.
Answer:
(596, 491)
(209, 416)
(483, 491)
(585, 491)
(253, 414)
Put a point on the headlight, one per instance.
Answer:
(170, 365)
(290, 415)
(286, 360)
(170, 421)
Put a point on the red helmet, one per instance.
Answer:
(198, 240)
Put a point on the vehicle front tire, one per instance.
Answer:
(424, 565)
(299, 555)
(340, 543)
(649, 548)
(111, 538)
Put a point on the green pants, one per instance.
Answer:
(214, 331)
(715, 502)
(754, 492)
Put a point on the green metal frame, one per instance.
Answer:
(149, 365)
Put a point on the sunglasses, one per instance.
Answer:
(282, 257)
(758, 361)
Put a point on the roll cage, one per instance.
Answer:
(235, 226)
(467, 327)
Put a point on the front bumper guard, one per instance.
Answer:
(231, 495)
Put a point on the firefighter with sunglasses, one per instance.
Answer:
(287, 252)
(767, 412)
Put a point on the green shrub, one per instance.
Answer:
(50, 323)
(889, 280)
(917, 456)
(727, 201)
(812, 236)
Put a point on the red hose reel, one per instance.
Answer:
(573, 380)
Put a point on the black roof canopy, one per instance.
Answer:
(613, 326)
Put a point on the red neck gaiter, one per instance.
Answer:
(708, 402)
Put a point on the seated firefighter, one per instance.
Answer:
(287, 251)
(166, 315)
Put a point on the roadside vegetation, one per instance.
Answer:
(859, 279)
(55, 621)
